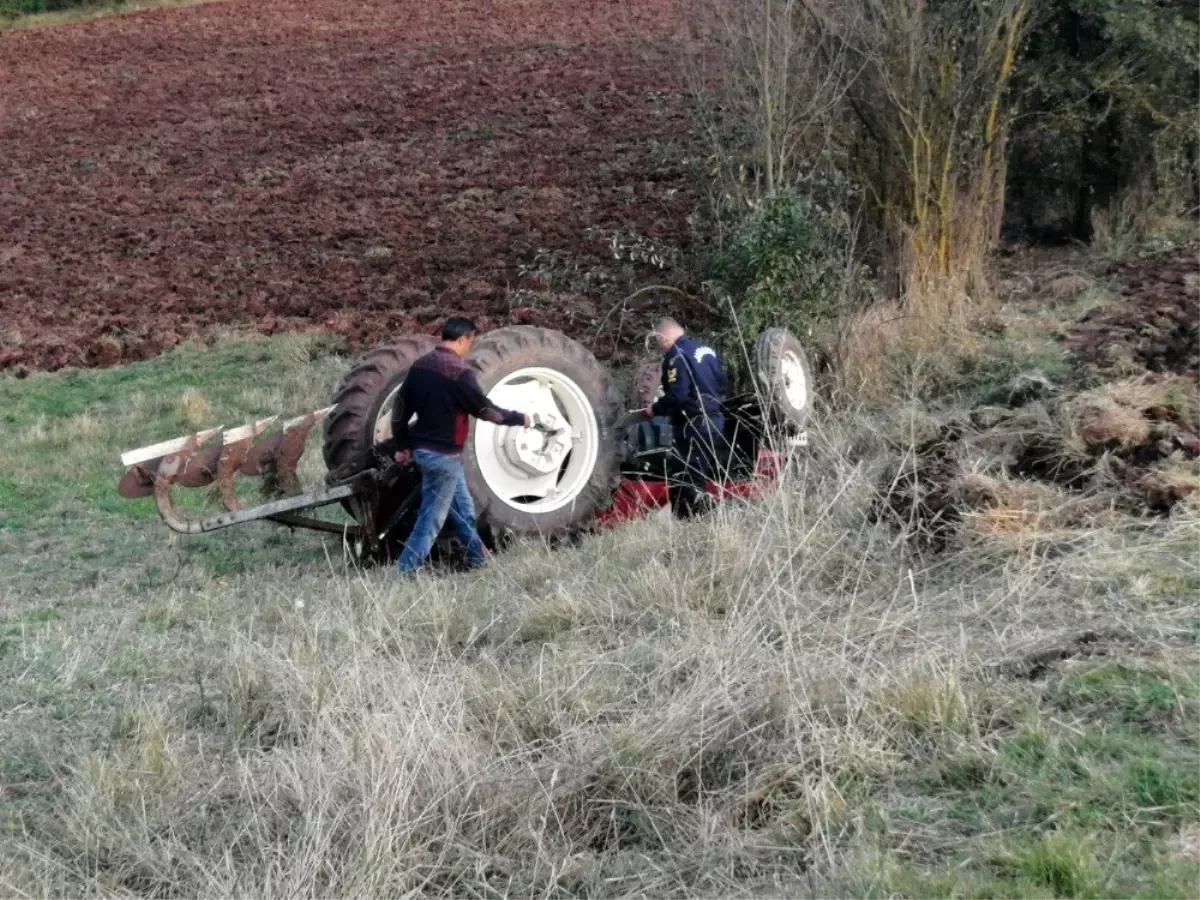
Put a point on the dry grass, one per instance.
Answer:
(886, 349)
(1016, 517)
(1122, 412)
(194, 407)
(788, 698)
(865, 345)
(705, 709)
(1104, 422)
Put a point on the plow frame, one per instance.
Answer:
(157, 469)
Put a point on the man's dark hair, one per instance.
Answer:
(457, 327)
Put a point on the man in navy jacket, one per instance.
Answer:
(441, 392)
(694, 386)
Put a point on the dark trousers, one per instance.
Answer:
(698, 446)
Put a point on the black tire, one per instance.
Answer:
(502, 352)
(349, 437)
(645, 386)
(779, 365)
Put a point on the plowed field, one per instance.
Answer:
(1156, 327)
(361, 167)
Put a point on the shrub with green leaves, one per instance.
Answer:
(787, 263)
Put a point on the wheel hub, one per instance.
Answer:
(537, 452)
(540, 468)
(528, 453)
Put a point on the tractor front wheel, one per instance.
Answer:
(784, 377)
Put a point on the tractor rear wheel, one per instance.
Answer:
(362, 415)
(523, 480)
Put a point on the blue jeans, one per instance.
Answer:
(443, 493)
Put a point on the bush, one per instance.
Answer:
(787, 263)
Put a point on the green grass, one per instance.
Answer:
(50, 13)
(63, 434)
(30, 7)
(1082, 800)
(1129, 695)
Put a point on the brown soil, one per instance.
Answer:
(362, 168)
(1131, 448)
(1156, 327)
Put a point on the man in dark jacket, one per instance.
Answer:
(694, 386)
(430, 421)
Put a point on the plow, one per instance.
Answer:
(589, 460)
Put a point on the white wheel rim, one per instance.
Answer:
(525, 469)
(795, 384)
(383, 419)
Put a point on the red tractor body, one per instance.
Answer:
(636, 497)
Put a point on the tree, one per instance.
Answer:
(1109, 92)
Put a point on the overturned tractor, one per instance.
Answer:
(589, 460)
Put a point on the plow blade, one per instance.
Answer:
(156, 469)
(277, 457)
(201, 469)
(145, 463)
(237, 444)
(138, 481)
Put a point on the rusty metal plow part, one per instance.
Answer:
(138, 480)
(169, 469)
(295, 434)
(278, 456)
(205, 468)
(235, 446)
(156, 469)
(201, 469)
(145, 463)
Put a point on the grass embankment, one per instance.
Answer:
(785, 699)
(18, 14)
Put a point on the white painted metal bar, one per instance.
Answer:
(254, 429)
(317, 415)
(165, 448)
